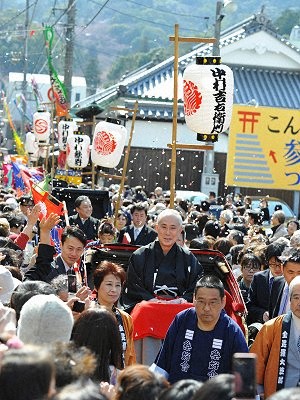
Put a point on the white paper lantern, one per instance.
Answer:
(78, 150)
(41, 126)
(31, 145)
(65, 128)
(108, 144)
(208, 96)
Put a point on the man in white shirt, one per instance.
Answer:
(138, 233)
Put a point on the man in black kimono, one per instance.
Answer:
(83, 219)
(162, 270)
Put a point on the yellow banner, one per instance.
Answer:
(264, 148)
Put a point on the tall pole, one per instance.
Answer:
(126, 159)
(68, 70)
(217, 29)
(175, 113)
(25, 67)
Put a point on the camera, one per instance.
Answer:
(78, 306)
(244, 370)
(72, 287)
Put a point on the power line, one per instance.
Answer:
(95, 16)
(165, 11)
(33, 11)
(42, 51)
(150, 22)
(17, 15)
(63, 13)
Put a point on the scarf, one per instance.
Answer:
(283, 353)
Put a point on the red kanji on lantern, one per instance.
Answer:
(41, 125)
(192, 98)
(104, 143)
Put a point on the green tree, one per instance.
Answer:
(130, 62)
(92, 75)
(287, 20)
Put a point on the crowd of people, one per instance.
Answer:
(65, 326)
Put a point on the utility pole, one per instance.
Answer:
(68, 71)
(209, 179)
(25, 67)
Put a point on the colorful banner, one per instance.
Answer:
(20, 103)
(57, 93)
(36, 92)
(20, 177)
(19, 144)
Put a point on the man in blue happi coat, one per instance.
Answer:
(201, 341)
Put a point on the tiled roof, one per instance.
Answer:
(267, 87)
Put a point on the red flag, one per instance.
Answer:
(126, 238)
(51, 204)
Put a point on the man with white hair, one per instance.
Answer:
(278, 228)
(162, 269)
(295, 240)
(277, 347)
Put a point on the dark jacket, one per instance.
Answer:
(258, 297)
(48, 267)
(90, 226)
(140, 274)
(275, 296)
(146, 236)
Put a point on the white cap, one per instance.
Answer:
(7, 284)
(45, 319)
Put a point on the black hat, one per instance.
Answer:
(204, 205)
(16, 221)
(26, 201)
(10, 207)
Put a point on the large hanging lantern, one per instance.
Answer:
(208, 97)
(78, 150)
(41, 126)
(31, 145)
(65, 128)
(108, 144)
